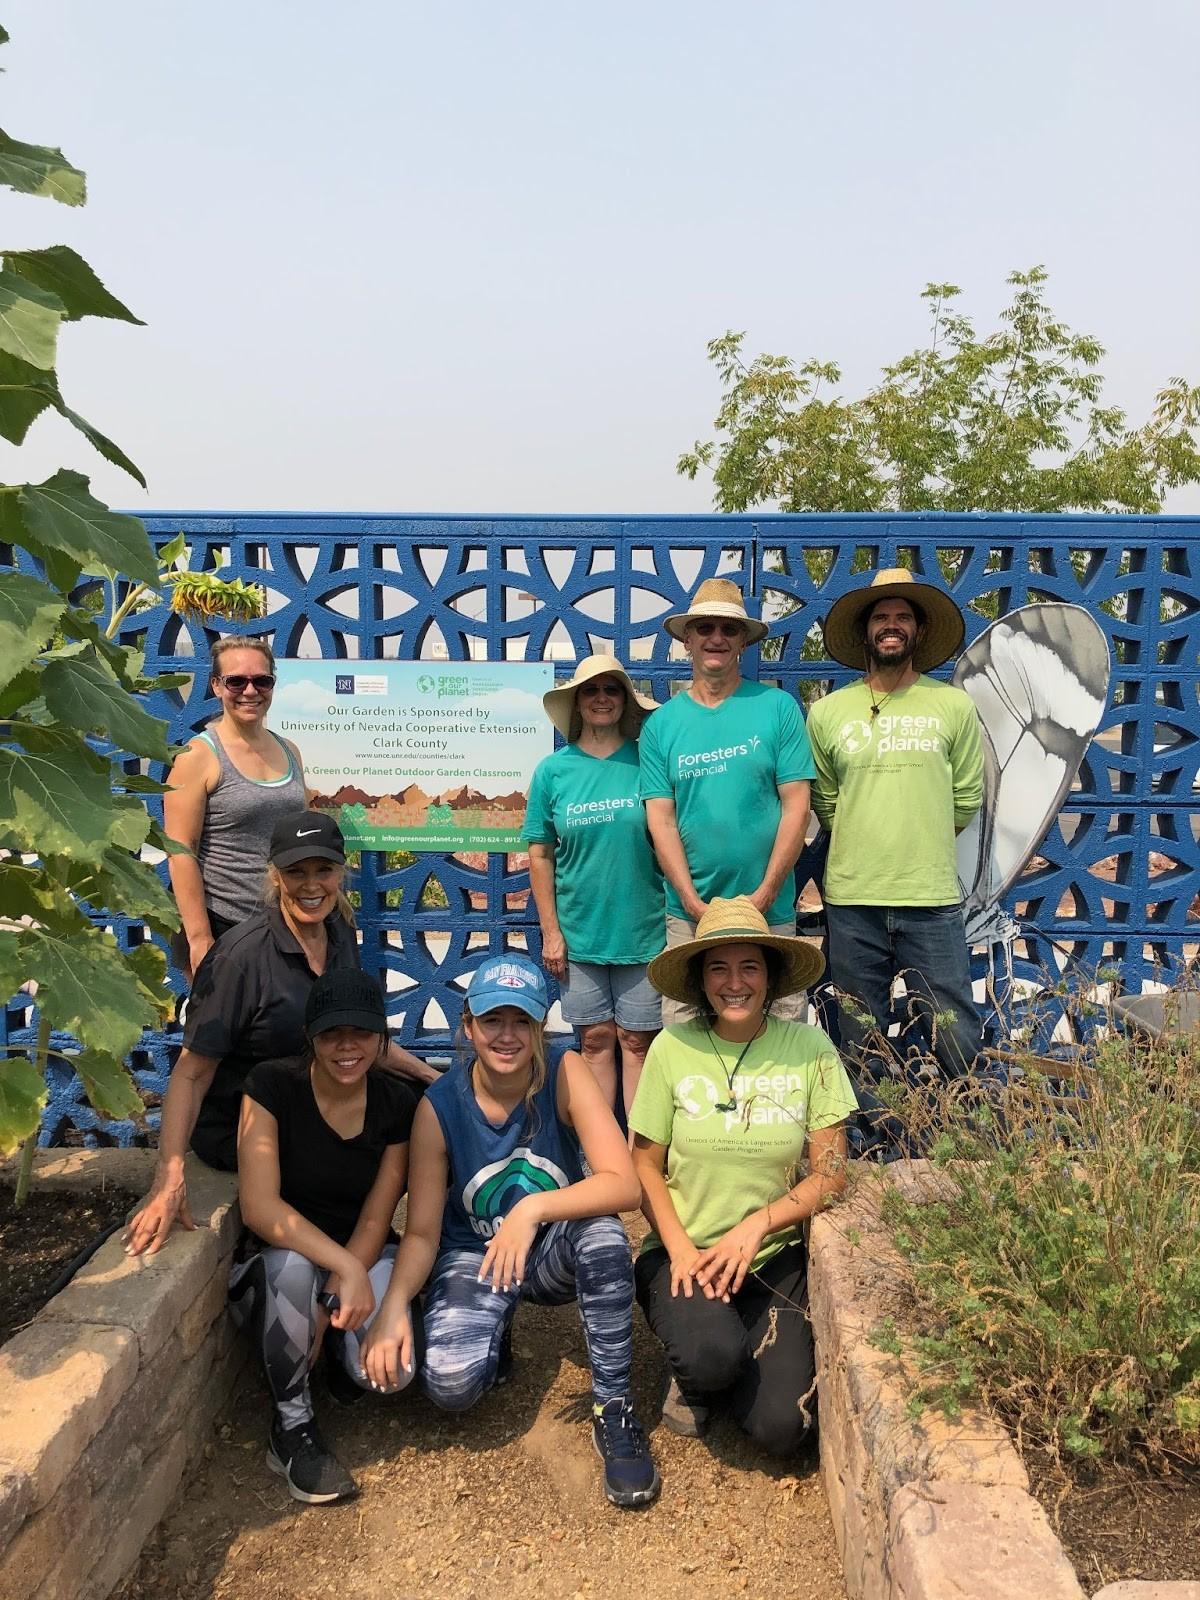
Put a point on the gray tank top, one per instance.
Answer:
(238, 821)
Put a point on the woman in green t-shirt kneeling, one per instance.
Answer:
(726, 1107)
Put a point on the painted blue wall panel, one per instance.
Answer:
(1116, 880)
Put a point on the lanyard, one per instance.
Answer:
(731, 1103)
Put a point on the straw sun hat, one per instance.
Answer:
(560, 702)
(736, 921)
(845, 626)
(718, 600)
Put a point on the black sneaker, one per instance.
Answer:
(314, 1474)
(343, 1390)
(630, 1476)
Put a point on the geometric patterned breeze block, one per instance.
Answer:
(1115, 882)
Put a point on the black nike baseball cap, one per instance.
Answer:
(305, 834)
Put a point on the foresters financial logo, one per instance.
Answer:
(495, 1189)
(704, 763)
(891, 733)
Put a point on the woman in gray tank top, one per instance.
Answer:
(228, 789)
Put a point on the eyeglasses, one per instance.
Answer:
(727, 630)
(594, 687)
(236, 682)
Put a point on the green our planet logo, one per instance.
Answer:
(425, 683)
(697, 1095)
(854, 737)
(495, 1189)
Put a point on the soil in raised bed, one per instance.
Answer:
(38, 1241)
(1123, 1522)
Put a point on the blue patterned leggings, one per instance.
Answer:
(273, 1297)
(465, 1320)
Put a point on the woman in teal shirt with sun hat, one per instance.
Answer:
(597, 886)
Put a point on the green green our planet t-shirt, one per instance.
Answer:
(722, 765)
(722, 1165)
(607, 884)
(892, 788)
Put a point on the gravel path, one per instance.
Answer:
(504, 1499)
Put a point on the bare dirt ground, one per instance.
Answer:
(504, 1499)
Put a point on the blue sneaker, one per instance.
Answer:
(630, 1476)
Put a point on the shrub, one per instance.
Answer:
(1052, 1252)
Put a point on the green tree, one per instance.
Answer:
(74, 734)
(1010, 421)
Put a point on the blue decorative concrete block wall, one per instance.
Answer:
(1115, 881)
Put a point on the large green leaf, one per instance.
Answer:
(23, 688)
(139, 783)
(83, 693)
(120, 882)
(29, 614)
(22, 1095)
(131, 822)
(53, 800)
(148, 961)
(85, 986)
(122, 658)
(24, 395)
(29, 321)
(31, 892)
(67, 275)
(108, 1084)
(37, 169)
(61, 514)
(101, 442)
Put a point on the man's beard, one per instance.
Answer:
(896, 658)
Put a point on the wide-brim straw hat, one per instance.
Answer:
(735, 921)
(720, 600)
(560, 702)
(845, 626)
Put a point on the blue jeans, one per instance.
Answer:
(870, 946)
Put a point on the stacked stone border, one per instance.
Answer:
(923, 1509)
(109, 1395)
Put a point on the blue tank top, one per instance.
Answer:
(492, 1168)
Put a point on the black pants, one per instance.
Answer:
(714, 1347)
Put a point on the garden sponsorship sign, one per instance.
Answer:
(418, 755)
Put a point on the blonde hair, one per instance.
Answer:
(231, 641)
(537, 1075)
(270, 893)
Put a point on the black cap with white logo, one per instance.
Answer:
(305, 834)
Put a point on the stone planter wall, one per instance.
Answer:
(922, 1509)
(111, 1391)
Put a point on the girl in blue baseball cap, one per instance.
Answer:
(501, 1208)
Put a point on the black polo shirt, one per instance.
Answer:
(246, 1006)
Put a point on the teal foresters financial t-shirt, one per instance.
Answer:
(720, 765)
(607, 885)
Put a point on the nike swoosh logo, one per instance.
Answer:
(306, 832)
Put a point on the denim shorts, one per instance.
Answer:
(599, 994)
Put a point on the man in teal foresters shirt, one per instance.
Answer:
(725, 777)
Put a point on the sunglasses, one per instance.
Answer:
(594, 687)
(236, 682)
(727, 630)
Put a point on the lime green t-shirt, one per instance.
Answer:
(607, 885)
(722, 766)
(893, 788)
(722, 1165)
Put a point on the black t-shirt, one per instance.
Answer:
(325, 1177)
(246, 1006)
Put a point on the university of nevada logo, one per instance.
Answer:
(494, 1190)
(343, 683)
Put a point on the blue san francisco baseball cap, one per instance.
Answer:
(508, 980)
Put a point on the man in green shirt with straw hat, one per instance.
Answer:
(899, 773)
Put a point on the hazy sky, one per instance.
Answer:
(467, 256)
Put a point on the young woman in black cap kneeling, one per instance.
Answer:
(322, 1163)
